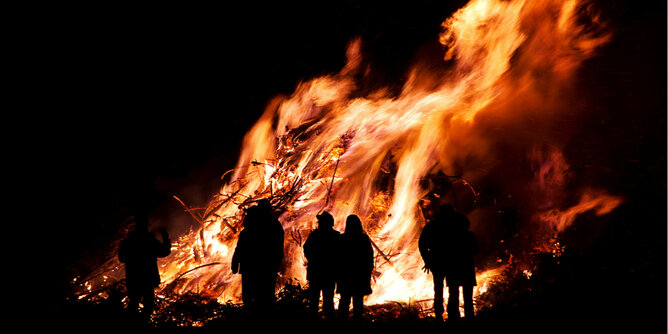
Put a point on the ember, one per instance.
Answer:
(392, 159)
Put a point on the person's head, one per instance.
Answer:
(446, 209)
(251, 216)
(353, 225)
(462, 223)
(141, 222)
(325, 220)
(264, 205)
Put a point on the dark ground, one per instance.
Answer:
(607, 287)
(131, 104)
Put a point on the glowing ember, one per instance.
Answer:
(382, 156)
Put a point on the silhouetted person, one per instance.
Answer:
(356, 265)
(447, 248)
(257, 257)
(140, 251)
(320, 250)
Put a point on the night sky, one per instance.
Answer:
(148, 102)
(139, 103)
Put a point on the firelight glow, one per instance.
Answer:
(325, 147)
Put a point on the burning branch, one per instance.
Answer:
(218, 205)
(332, 182)
(387, 259)
(296, 236)
(199, 220)
(193, 269)
(190, 211)
(476, 194)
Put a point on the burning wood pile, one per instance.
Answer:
(477, 131)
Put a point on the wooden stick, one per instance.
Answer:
(466, 183)
(387, 259)
(193, 269)
(332, 183)
(294, 233)
(189, 210)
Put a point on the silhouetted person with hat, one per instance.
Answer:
(258, 256)
(447, 248)
(321, 251)
(356, 256)
(139, 252)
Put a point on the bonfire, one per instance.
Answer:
(475, 131)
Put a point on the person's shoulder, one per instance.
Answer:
(245, 231)
(366, 238)
(460, 216)
(314, 233)
(277, 224)
(430, 224)
(133, 237)
(331, 233)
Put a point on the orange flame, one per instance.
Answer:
(327, 148)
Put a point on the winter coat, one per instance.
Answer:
(356, 265)
(321, 252)
(448, 247)
(140, 252)
(260, 245)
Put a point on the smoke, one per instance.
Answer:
(485, 133)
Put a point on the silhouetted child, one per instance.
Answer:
(447, 248)
(258, 256)
(320, 250)
(139, 252)
(356, 265)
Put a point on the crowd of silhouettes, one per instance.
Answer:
(336, 262)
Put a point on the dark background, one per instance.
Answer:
(135, 103)
(145, 102)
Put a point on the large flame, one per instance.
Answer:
(325, 147)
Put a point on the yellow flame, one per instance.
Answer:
(322, 148)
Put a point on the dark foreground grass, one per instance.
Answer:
(565, 294)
